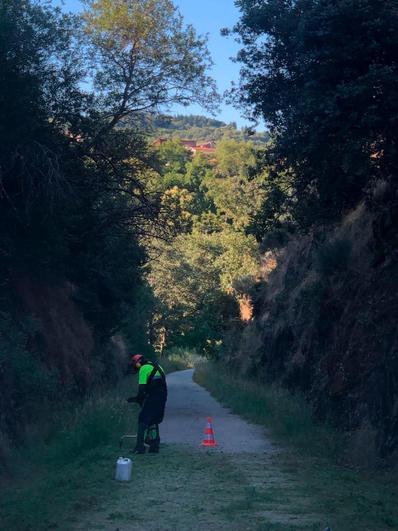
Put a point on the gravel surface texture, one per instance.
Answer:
(188, 407)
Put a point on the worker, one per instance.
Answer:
(152, 396)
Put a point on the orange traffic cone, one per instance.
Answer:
(209, 434)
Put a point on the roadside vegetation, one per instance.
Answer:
(350, 497)
(62, 469)
(288, 417)
(66, 466)
(179, 359)
(74, 200)
(66, 482)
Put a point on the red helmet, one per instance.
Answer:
(137, 358)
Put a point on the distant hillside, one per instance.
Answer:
(201, 128)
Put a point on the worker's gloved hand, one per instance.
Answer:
(131, 399)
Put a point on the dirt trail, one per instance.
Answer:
(237, 486)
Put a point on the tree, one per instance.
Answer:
(173, 158)
(235, 158)
(71, 213)
(324, 76)
(235, 186)
(193, 278)
(145, 58)
(39, 73)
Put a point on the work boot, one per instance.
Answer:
(154, 441)
(139, 450)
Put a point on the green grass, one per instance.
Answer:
(67, 479)
(288, 417)
(64, 473)
(310, 461)
(63, 470)
(190, 490)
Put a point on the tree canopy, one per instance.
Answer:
(209, 203)
(324, 77)
(76, 180)
(145, 58)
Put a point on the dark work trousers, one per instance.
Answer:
(152, 414)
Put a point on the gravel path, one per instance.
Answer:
(187, 409)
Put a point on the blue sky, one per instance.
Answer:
(208, 17)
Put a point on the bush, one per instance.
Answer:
(78, 428)
(98, 422)
(69, 471)
(27, 385)
(178, 358)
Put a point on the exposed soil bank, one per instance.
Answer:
(324, 323)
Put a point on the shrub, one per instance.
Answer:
(98, 422)
(178, 358)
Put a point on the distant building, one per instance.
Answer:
(191, 145)
(206, 148)
(186, 143)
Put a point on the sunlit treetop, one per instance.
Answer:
(145, 58)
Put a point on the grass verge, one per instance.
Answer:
(61, 472)
(287, 417)
(189, 490)
(350, 498)
(56, 478)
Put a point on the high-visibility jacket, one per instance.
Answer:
(152, 393)
(146, 371)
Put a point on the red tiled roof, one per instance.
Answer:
(205, 149)
(192, 145)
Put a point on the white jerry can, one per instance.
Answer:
(123, 469)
